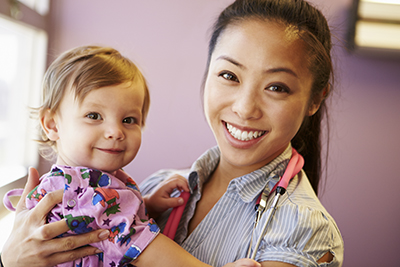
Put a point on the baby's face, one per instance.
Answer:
(104, 130)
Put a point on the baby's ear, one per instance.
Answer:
(49, 125)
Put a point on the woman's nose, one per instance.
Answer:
(246, 104)
(114, 131)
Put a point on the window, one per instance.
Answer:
(40, 6)
(23, 54)
(375, 26)
(23, 46)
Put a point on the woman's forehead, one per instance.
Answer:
(264, 44)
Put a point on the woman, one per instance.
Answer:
(269, 73)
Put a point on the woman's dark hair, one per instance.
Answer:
(312, 27)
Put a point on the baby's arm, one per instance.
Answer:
(162, 251)
(160, 199)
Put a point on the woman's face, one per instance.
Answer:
(257, 93)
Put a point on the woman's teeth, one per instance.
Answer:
(243, 135)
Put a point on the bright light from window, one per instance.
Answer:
(40, 6)
(378, 25)
(373, 10)
(23, 54)
(373, 34)
(395, 2)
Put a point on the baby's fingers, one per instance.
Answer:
(179, 182)
(172, 202)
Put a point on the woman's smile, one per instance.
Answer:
(242, 138)
(243, 135)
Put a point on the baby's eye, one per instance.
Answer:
(229, 76)
(278, 88)
(129, 120)
(94, 116)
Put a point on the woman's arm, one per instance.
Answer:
(31, 241)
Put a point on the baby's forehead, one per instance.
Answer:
(120, 95)
(80, 92)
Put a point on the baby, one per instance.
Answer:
(95, 103)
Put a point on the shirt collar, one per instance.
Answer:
(248, 186)
(203, 167)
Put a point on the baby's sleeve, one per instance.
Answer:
(48, 183)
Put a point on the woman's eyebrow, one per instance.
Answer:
(282, 69)
(271, 70)
(231, 60)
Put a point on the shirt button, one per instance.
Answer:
(71, 203)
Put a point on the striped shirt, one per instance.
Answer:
(300, 233)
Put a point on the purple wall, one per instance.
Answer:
(168, 40)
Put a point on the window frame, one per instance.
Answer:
(19, 12)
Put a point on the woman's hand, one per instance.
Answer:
(31, 241)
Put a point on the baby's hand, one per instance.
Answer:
(243, 263)
(160, 199)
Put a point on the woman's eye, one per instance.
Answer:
(278, 88)
(129, 120)
(94, 116)
(229, 76)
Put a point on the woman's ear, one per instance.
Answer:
(49, 124)
(318, 98)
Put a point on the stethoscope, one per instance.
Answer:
(294, 166)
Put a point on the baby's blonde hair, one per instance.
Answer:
(83, 69)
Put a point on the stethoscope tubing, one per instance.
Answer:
(295, 165)
(175, 217)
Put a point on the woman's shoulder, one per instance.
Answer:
(303, 230)
(301, 199)
(300, 193)
(304, 223)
